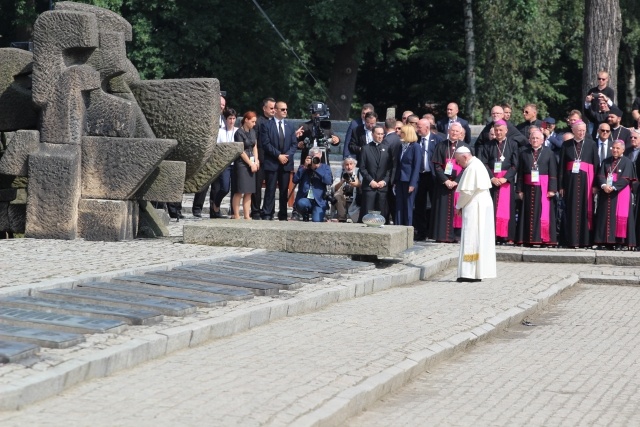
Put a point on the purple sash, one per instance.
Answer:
(622, 210)
(543, 183)
(503, 210)
(588, 169)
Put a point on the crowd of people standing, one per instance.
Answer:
(575, 189)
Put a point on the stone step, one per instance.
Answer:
(41, 337)
(151, 282)
(59, 322)
(197, 299)
(11, 351)
(130, 316)
(257, 288)
(137, 301)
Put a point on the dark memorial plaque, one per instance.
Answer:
(308, 264)
(41, 337)
(59, 322)
(265, 269)
(284, 282)
(11, 351)
(324, 260)
(94, 296)
(282, 265)
(255, 287)
(132, 316)
(226, 293)
(189, 297)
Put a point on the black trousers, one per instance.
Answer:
(279, 178)
(422, 208)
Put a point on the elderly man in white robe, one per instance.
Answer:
(477, 258)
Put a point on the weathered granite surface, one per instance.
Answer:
(303, 237)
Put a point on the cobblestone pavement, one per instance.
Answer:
(577, 366)
(274, 374)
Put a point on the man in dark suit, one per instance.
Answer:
(279, 142)
(359, 122)
(376, 170)
(422, 209)
(530, 113)
(392, 139)
(362, 135)
(452, 117)
(497, 113)
(268, 111)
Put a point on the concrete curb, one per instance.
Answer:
(580, 256)
(599, 279)
(354, 400)
(105, 362)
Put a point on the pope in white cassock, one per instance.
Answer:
(477, 259)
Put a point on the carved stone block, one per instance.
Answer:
(165, 183)
(14, 161)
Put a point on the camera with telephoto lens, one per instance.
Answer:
(348, 177)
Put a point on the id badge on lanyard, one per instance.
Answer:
(535, 175)
(448, 170)
(610, 180)
(497, 167)
(576, 167)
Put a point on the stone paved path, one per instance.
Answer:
(578, 366)
(276, 373)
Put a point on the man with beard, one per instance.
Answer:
(500, 157)
(537, 186)
(615, 222)
(445, 225)
(618, 131)
(576, 176)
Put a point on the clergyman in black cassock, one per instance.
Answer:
(576, 175)
(615, 222)
(537, 186)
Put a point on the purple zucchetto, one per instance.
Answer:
(499, 123)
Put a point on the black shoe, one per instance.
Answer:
(197, 214)
(256, 217)
(466, 279)
(419, 238)
(305, 217)
(284, 218)
(296, 216)
(179, 215)
(267, 218)
(218, 214)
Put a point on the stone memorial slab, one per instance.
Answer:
(263, 263)
(182, 296)
(186, 110)
(135, 301)
(61, 322)
(255, 287)
(54, 192)
(318, 266)
(11, 351)
(131, 316)
(41, 337)
(15, 159)
(226, 293)
(165, 184)
(302, 237)
(264, 269)
(16, 107)
(282, 282)
(324, 260)
(115, 168)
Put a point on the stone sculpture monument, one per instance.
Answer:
(86, 145)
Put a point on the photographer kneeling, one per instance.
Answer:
(345, 189)
(312, 178)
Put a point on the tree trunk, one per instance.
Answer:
(602, 33)
(343, 81)
(470, 48)
(628, 61)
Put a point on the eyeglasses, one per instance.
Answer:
(604, 130)
(282, 109)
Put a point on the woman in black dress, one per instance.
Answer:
(246, 166)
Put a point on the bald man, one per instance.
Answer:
(452, 117)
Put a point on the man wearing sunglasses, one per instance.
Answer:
(602, 91)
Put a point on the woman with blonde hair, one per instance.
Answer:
(409, 160)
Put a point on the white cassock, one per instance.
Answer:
(477, 258)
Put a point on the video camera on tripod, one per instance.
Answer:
(320, 123)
